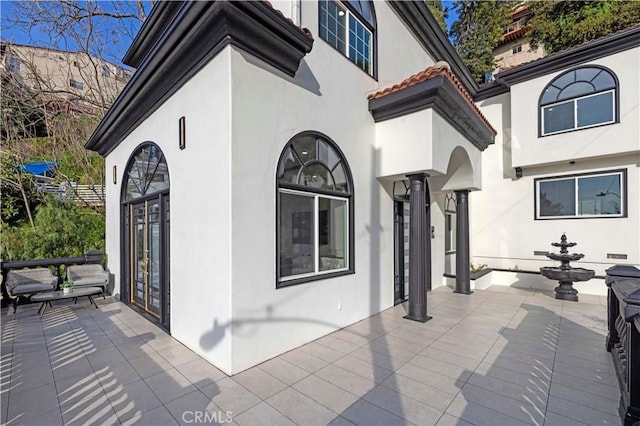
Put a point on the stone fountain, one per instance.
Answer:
(565, 274)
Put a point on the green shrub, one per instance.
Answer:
(61, 230)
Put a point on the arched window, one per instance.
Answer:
(579, 98)
(147, 172)
(315, 211)
(350, 27)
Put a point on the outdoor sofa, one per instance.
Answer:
(88, 275)
(25, 282)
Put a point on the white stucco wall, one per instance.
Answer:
(504, 233)
(240, 113)
(530, 150)
(328, 95)
(200, 207)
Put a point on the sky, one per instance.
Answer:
(118, 45)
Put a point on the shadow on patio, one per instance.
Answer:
(500, 356)
(81, 365)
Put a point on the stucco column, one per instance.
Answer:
(419, 248)
(463, 285)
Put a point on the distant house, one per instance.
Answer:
(514, 47)
(277, 172)
(72, 81)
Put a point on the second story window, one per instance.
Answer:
(349, 27)
(579, 98)
(106, 71)
(76, 84)
(516, 49)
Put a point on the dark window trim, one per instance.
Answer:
(349, 196)
(374, 35)
(125, 177)
(616, 89)
(623, 197)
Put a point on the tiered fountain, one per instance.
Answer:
(565, 274)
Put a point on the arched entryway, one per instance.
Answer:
(145, 234)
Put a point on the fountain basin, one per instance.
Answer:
(573, 274)
(565, 257)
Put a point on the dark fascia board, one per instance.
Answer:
(158, 20)
(617, 42)
(489, 90)
(424, 26)
(441, 95)
(198, 32)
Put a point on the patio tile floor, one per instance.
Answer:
(502, 356)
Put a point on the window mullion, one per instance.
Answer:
(316, 233)
(347, 42)
(577, 198)
(575, 113)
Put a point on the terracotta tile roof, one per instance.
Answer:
(305, 30)
(431, 72)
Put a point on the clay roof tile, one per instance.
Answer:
(426, 74)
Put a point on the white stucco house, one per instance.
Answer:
(279, 171)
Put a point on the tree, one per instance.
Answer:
(477, 32)
(50, 111)
(439, 12)
(558, 25)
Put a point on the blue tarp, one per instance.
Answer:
(39, 168)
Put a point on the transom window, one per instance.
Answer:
(588, 195)
(580, 98)
(315, 213)
(147, 173)
(349, 26)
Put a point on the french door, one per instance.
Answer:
(149, 256)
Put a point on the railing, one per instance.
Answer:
(88, 195)
(90, 257)
(520, 23)
(623, 338)
(91, 195)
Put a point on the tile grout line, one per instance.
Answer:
(546, 406)
(476, 368)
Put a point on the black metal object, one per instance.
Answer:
(90, 257)
(565, 274)
(463, 282)
(419, 248)
(623, 337)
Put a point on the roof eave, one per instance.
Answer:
(161, 15)
(440, 94)
(596, 49)
(193, 38)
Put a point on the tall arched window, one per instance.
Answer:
(579, 98)
(315, 211)
(350, 27)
